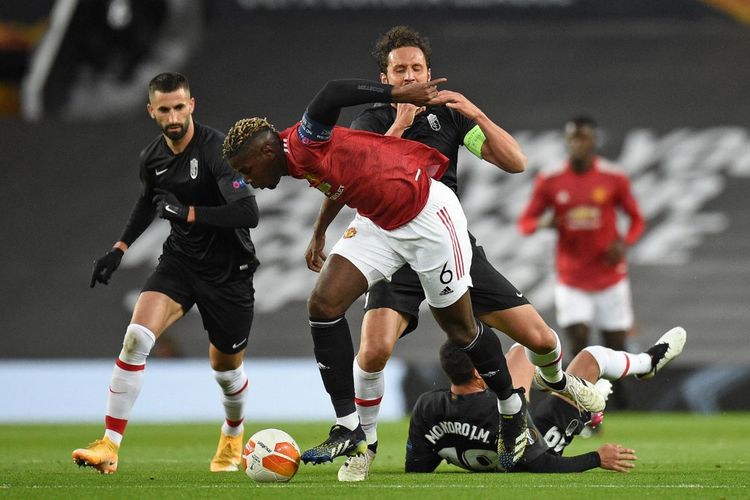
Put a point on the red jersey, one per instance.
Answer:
(584, 206)
(386, 179)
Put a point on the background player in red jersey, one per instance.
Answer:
(403, 217)
(584, 195)
(208, 260)
(458, 425)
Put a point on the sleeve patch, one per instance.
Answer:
(312, 131)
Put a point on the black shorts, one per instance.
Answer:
(490, 291)
(225, 308)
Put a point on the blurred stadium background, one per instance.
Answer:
(667, 80)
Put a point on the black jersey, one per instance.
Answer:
(559, 422)
(460, 429)
(463, 431)
(198, 176)
(439, 127)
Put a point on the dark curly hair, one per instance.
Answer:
(397, 37)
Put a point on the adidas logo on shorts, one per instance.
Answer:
(446, 291)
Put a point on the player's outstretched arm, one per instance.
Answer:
(616, 457)
(487, 140)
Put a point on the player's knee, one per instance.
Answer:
(322, 306)
(460, 335)
(374, 357)
(137, 344)
(541, 339)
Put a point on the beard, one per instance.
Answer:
(175, 131)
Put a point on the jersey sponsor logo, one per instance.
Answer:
(519, 294)
(446, 291)
(350, 232)
(193, 168)
(116, 392)
(434, 122)
(321, 366)
(584, 218)
(338, 193)
(237, 344)
(159, 172)
(171, 210)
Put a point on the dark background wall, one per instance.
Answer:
(67, 187)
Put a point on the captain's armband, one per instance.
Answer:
(473, 141)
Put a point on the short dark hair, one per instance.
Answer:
(583, 121)
(397, 37)
(456, 363)
(168, 82)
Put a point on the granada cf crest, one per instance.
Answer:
(434, 123)
(350, 232)
(193, 168)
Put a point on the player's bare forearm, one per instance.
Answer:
(329, 209)
(315, 255)
(500, 148)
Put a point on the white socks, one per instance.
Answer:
(233, 385)
(350, 421)
(368, 393)
(127, 379)
(614, 365)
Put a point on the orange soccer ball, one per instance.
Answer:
(271, 456)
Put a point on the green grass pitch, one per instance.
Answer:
(679, 456)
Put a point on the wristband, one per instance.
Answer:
(473, 141)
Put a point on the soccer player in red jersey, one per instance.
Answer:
(403, 217)
(584, 195)
(392, 307)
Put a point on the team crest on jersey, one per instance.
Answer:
(193, 168)
(599, 194)
(350, 232)
(433, 121)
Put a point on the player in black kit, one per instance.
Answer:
(208, 260)
(392, 309)
(459, 425)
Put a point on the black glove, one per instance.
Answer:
(169, 207)
(104, 266)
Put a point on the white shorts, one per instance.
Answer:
(435, 244)
(609, 309)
